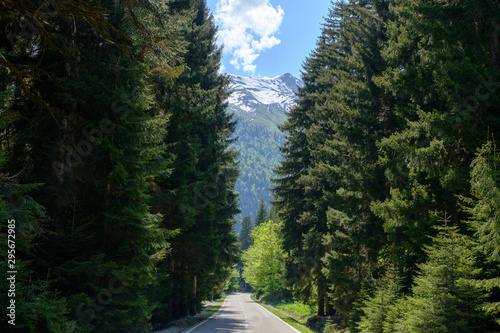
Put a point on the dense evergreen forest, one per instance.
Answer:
(388, 194)
(259, 155)
(116, 174)
(119, 162)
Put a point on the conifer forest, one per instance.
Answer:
(118, 165)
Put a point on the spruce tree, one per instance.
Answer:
(443, 297)
(203, 173)
(273, 214)
(485, 212)
(244, 235)
(111, 105)
(376, 307)
(289, 195)
(442, 70)
(262, 213)
(245, 239)
(347, 113)
(298, 195)
(97, 156)
(348, 120)
(37, 306)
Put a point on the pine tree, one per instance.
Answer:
(376, 307)
(485, 212)
(262, 213)
(245, 231)
(344, 176)
(443, 297)
(446, 102)
(204, 171)
(96, 157)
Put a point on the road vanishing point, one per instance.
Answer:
(239, 313)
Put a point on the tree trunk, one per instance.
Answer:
(194, 309)
(330, 311)
(321, 301)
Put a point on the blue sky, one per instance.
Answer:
(266, 38)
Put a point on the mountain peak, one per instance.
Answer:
(248, 93)
(286, 76)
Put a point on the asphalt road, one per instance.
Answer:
(240, 314)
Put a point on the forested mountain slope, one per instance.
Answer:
(260, 106)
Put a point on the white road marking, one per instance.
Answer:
(246, 324)
(213, 315)
(293, 328)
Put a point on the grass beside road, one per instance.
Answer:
(293, 314)
(300, 312)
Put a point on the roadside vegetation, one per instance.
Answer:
(208, 309)
(387, 195)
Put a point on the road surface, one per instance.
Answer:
(240, 314)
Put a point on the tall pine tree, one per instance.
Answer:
(197, 196)
(485, 212)
(244, 235)
(262, 213)
(442, 69)
(96, 151)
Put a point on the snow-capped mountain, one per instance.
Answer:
(249, 94)
(260, 106)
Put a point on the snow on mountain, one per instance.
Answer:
(248, 93)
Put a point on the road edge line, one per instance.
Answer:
(293, 328)
(207, 319)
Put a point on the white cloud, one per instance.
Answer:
(247, 27)
(265, 43)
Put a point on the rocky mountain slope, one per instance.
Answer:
(264, 101)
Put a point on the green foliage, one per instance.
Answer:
(96, 127)
(263, 261)
(485, 212)
(376, 307)
(485, 179)
(262, 213)
(446, 105)
(398, 97)
(233, 282)
(298, 310)
(303, 265)
(196, 196)
(258, 148)
(118, 162)
(37, 306)
(444, 298)
(337, 176)
(245, 233)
